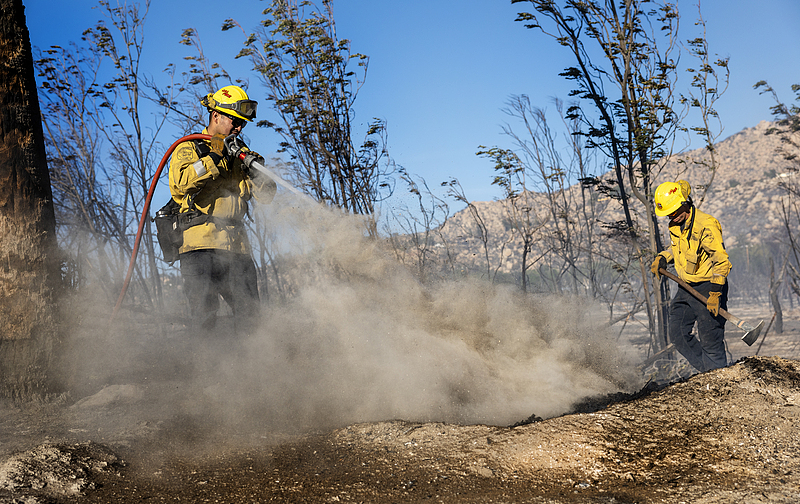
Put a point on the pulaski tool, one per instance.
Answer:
(750, 333)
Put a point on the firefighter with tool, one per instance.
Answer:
(213, 183)
(700, 259)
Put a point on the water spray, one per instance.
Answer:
(235, 148)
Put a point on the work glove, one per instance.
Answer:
(247, 162)
(659, 262)
(713, 303)
(218, 145)
(713, 299)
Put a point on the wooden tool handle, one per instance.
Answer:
(699, 296)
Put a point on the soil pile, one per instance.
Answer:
(727, 436)
(730, 435)
(50, 471)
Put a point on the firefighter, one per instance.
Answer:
(213, 191)
(700, 259)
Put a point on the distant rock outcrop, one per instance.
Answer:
(744, 194)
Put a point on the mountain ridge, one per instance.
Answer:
(745, 196)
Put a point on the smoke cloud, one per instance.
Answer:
(360, 339)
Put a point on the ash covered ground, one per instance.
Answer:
(157, 430)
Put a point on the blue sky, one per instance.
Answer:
(441, 70)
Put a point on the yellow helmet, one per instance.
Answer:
(231, 100)
(686, 190)
(670, 197)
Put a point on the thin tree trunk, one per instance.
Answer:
(774, 285)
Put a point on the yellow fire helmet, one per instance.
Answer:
(686, 189)
(232, 101)
(669, 197)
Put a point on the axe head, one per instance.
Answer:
(751, 333)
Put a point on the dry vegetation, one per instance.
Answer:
(367, 384)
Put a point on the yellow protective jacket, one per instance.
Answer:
(221, 190)
(698, 250)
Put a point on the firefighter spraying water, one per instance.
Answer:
(213, 177)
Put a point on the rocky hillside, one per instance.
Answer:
(744, 195)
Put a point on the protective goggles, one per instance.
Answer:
(245, 108)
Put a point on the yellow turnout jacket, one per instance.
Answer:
(698, 250)
(221, 190)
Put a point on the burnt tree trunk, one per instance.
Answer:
(774, 285)
(29, 268)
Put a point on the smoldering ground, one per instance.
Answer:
(359, 339)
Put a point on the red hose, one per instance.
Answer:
(145, 214)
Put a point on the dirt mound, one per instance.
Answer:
(723, 436)
(731, 435)
(51, 471)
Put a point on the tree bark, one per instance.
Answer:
(29, 267)
(774, 285)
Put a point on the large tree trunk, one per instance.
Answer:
(29, 268)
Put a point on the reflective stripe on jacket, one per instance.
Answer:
(221, 190)
(698, 250)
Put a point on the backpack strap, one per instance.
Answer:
(194, 216)
(203, 149)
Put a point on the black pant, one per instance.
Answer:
(705, 351)
(210, 273)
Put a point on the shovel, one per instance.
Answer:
(750, 333)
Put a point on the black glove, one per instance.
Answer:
(249, 158)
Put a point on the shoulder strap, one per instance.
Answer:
(202, 148)
(700, 237)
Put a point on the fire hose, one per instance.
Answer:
(235, 149)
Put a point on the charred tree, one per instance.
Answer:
(774, 286)
(29, 268)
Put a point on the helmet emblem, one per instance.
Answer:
(672, 191)
(226, 93)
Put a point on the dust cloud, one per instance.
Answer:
(360, 339)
